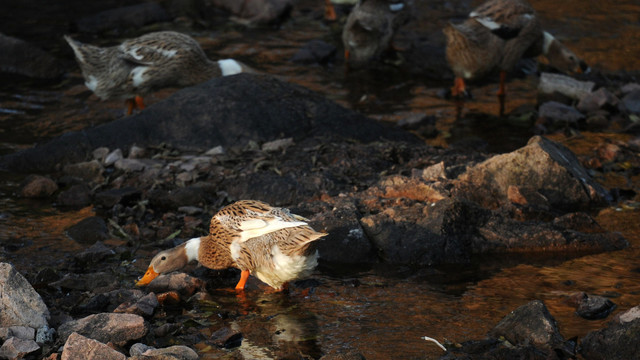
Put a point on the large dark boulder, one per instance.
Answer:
(17, 57)
(619, 340)
(227, 111)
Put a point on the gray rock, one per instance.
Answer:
(557, 113)
(15, 348)
(78, 347)
(619, 340)
(100, 154)
(89, 230)
(36, 186)
(20, 332)
(18, 57)
(90, 171)
(139, 348)
(20, 304)
(137, 152)
(565, 85)
(122, 19)
(112, 157)
(77, 196)
(181, 283)
(84, 281)
(277, 145)
(143, 307)
(627, 88)
(94, 254)
(130, 165)
(177, 352)
(631, 102)
(45, 335)
(106, 327)
(125, 196)
(593, 307)
(529, 324)
(544, 166)
(599, 99)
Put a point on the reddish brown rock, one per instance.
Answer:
(36, 186)
(78, 347)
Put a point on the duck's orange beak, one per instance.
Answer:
(148, 276)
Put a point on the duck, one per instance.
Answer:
(495, 36)
(145, 64)
(370, 28)
(268, 242)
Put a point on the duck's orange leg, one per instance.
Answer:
(458, 89)
(134, 103)
(243, 280)
(329, 11)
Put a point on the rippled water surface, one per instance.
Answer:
(383, 312)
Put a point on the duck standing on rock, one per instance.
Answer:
(495, 36)
(146, 64)
(370, 28)
(268, 242)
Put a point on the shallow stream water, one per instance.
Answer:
(382, 312)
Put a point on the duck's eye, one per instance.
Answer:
(163, 258)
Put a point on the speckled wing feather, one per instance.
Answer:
(156, 49)
(505, 18)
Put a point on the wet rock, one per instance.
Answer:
(106, 327)
(143, 307)
(631, 102)
(177, 352)
(109, 301)
(422, 234)
(125, 196)
(15, 348)
(172, 200)
(90, 171)
(257, 12)
(423, 124)
(166, 329)
(544, 166)
(226, 337)
(557, 114)
(619, 340)
(78, 347)
(122, 19)
(94, 254)
(18, 57)
(85, 281)
(432, 173)
(185, 120)
(529, 324)
(36, 186)
(565, 85)
(315, 52)
(76, 197)
(592, 307)
(346, 242)
(579, 221)
(20, 332)
(89, 230)
(181, 283)
(20, 304)
(599, 99)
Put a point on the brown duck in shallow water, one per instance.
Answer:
(268, 242)
(495, 36)
(146, 64)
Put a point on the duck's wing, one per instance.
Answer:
(504, 18)
(250, 219)
(157, 49)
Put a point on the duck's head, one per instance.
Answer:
(171, 260)
(561, 58)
